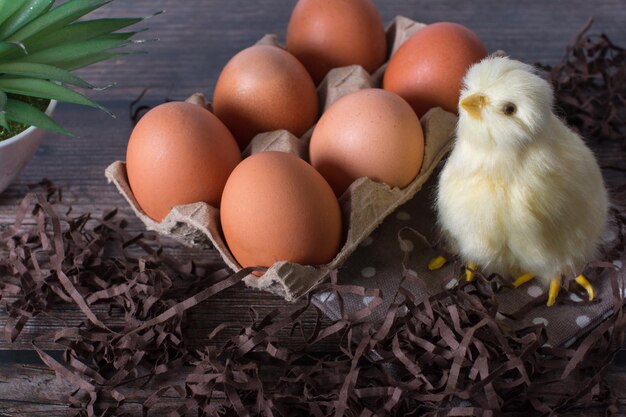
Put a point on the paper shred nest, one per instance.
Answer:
(590, 86)
(448, 355)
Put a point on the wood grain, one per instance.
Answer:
(30, 390)
(196, 38)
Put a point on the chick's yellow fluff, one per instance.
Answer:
(520, 192)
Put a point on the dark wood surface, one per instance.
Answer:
(196, 38)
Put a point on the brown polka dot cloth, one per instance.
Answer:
(399, 245)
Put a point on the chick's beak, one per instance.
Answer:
(474, 104)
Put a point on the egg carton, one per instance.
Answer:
(364, 205)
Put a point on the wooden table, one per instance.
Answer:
(196, 38)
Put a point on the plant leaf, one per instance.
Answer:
(45, 89)
(56, 56)
(75, 64)
(20, 112)
(8, 7)
(11, 46)
(3, 117)
(44, 72)
(29, 11)
(77, 32)
(58, 17)
(4, 123)
(121, 36)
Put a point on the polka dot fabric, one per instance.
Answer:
(378, 263)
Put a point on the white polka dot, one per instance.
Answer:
(575, 298)
(403, 215)
(618, 264)
(609, 236)
(540, 320)
(582, 321)
(326, 296)
(452, 283)
(368, 241)
(500, 316)
(406, 245)
(534, 291)
(368, 272)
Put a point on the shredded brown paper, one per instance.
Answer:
(364, 205)
(590, 86)
(446, 354)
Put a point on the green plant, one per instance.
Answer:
(41, 45)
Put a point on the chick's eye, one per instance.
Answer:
(509, 109)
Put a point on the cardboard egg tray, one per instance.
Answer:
(364, 205)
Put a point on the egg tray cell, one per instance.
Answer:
(364, 205)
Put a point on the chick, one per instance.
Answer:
(521, 194)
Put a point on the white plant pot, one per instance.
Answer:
(16, 152)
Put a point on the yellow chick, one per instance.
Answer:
(521, 194)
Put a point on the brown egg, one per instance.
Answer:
(264, 88)
(326, 34)
(370, 133)
(276, 207)
(179, 153)
(427, 70)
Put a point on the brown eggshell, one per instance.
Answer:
(370, 133)
(179, 153)
(276, 207)
(265, 88)
(428, 70)
(326, 34)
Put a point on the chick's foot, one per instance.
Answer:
(437, 263)
(555, 287)
(523, 279)
(584, 282)
(469, 272)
